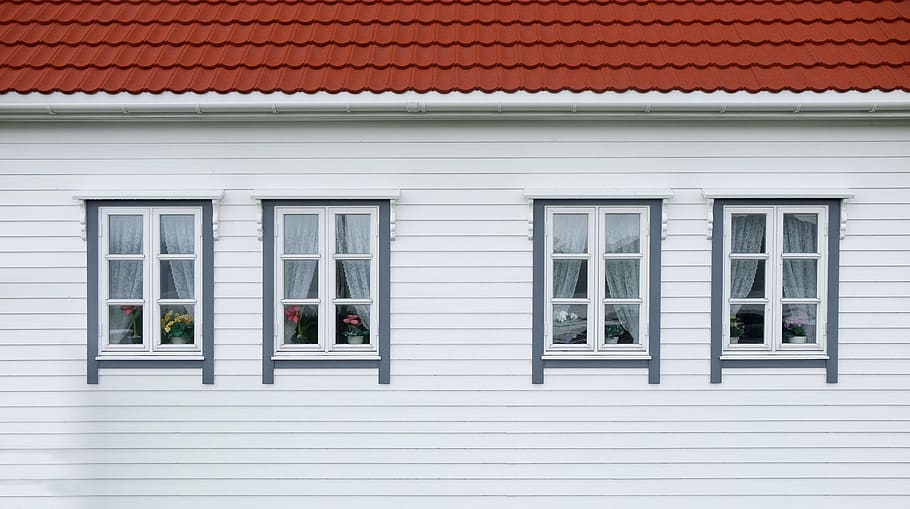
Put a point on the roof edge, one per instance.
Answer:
(475, 105)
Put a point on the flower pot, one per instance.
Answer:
(355, 340)
(611, 340)
(734, 340)
(181, 340)
(798, 339)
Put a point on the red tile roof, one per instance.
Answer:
(453, 45)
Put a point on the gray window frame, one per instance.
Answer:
(269, 364)
(538, 363)
(831, 299)
(94, 365)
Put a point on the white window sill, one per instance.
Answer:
(339, 356)
(599, 356)
(728, 356)
(145, 357)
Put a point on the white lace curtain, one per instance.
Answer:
(301, 236)
(352, 236)
(748, 233)
(125, 237)
(623, 276)
(177, 238)
(800, 236)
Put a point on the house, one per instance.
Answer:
(459, 253)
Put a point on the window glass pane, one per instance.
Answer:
(125, 279)
(748, 233)
(747, 323)
(622, 233)
(621, 324)
(570, 279)
(177, 279)
(301, 234)
(177, 324)
(799, 323)
(622, 279)
(570, 233)
(800, 278)
(125, 234)
(352, 234)
(352, 324)
(800, 233)
(301, 324)
(177, 234)
(570, 324)
(125, 323)
(747, 279)
(352, 279)
(300, 281)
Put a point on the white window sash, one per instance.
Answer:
(326, 298)
(151, 302)
(773, 301)
(596, 292)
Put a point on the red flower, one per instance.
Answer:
(128, 310)
(292, 313)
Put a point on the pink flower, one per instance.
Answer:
(292, 313)
(128, 310)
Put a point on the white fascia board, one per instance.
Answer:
(740, 193)
(596, 193)
(568, 105)
(326, 194)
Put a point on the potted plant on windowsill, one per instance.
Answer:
(176, 328)
(305, 330)
(795, 330)
(355, 329)
(135, 330)
(737, 329)
(612, 333)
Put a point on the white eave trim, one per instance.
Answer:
(212, 195)
(569, 105)
(780, 193)
(662, 194)
(392, 195)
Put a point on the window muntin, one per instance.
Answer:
(596, 279)
(150, 280)
(326, 279)
(774, 279)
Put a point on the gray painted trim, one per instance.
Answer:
(596, 363)
(833, 331)
(151, 363)
(208, 289)
(774, 363)
(326, 363)
(717, 292)
(268, 293)
(539, 299)
(91, 259)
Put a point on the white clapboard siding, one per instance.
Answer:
(460, 425)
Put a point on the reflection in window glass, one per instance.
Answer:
(621, 324)
(747, 323)
(623, 232)
(748, 233)
(570, 324)
(570, 233)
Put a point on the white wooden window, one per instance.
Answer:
(327, 280)
(596, 275)
(151, 277)
(775, 275)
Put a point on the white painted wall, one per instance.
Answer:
(460, 425)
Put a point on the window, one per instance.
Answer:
(150, 275)
(596, 284)
(326, 284)
(150, 282)
(327, 279)
(595, 279)
(774, 263)
(774, 279)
